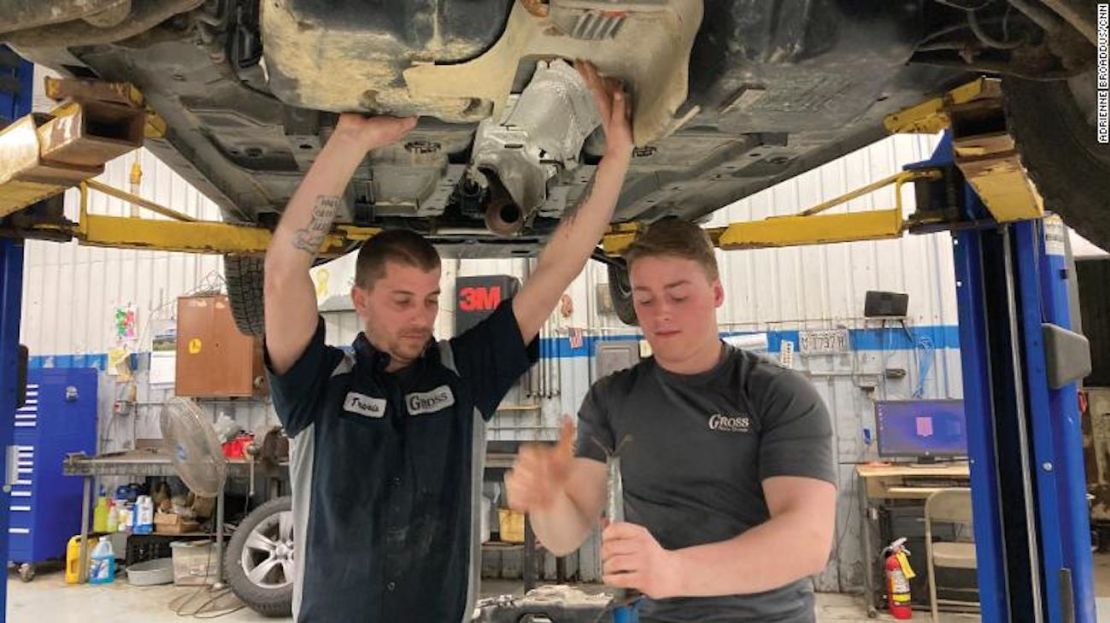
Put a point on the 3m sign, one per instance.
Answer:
(477, 297)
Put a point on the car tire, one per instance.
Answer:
(1060, 150)
(244, 276)
(263, 538)
(620, 291)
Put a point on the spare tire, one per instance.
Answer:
(258, 563)
(244, 275)
(1053, 124)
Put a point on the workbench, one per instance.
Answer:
(148, 463)
(156, 464)
(878, 483)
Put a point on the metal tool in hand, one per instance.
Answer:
(614, 507)
(623, 609)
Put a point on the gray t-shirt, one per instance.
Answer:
(701, 445)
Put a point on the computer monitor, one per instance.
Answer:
(921, 429)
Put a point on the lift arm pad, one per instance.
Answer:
(1067, 355)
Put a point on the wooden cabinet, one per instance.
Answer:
(213, 358)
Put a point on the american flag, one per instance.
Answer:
(575, 334)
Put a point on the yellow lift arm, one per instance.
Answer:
(984, 151)
(42, 155)
(805, 228)
(183, 233)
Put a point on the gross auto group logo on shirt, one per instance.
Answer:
(429, 402)
(724, 423)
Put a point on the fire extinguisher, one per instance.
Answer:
(898, 576)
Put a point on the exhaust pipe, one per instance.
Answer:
(503, 216)
(515, 157)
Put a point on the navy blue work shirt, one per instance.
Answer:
(386, 470)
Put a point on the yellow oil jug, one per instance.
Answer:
(73, 564)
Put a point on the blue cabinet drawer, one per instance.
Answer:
(20, 523)
(59, 418)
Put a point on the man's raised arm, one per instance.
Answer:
(582, 227)
(290, 299)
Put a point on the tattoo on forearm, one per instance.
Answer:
(310, 237)
(571, 212)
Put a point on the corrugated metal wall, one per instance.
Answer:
(71, 291)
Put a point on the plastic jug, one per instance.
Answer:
(73, 562)
(127, 492)
(142, 516)
(124, 521)
(102, 567)
(113, 516)
(100, 514)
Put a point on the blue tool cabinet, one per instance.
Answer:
(59, 418)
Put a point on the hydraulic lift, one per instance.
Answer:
(1021, 362)
(16, 75)
(1021, 367)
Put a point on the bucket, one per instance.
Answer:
(151, 572)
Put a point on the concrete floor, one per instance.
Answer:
(49, 600)
(1102, 574)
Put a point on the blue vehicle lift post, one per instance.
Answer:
(16, 77)
(1020, 368)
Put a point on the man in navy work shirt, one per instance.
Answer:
(388, 442)
(728, 474)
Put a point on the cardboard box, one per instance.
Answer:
(512, 525)
(172, 523)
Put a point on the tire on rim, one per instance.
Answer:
(620, 291)
(258, 563)
(244, 277)
(1053, 126)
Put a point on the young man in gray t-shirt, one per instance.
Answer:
(728, 474)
